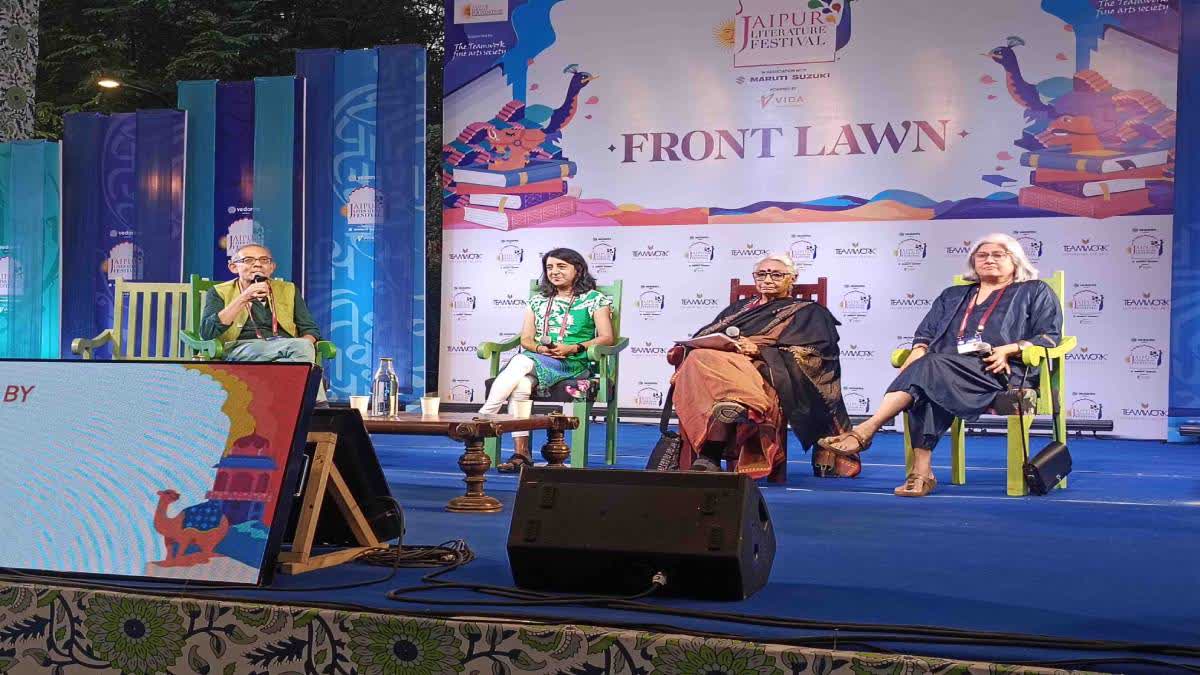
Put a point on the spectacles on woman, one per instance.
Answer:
(772, 275)
(994, 255)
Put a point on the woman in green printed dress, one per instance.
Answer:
(565, 317)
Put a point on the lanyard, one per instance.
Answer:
(562, 329)
(274, 320)
(962, 328)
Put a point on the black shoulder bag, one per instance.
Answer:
(665, 455)
(1052, 464)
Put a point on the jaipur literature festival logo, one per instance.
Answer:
(510, 256)
(462, 302)
(651, 301)
(480, 11)
(803, 251)
(857, 402)
(1085, 406)
(649, 395)
(1145, 248)
(855, 303)
(603, 255)
(461, 391)
(1144, 359)
(1087, 303)
(1031, 242)
(700, 253)
(766, 33)
(911, 251)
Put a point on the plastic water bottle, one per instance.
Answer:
(385, 390)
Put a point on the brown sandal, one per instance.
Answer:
(514, 463)
(728, 412)
(828, 441)
(916, 485)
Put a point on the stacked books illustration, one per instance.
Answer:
(1095, 184)
(520, 197)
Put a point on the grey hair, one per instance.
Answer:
(237, 252)
(781, 258)
(1024, 269)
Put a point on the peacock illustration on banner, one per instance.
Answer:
(1096, 150)
(510, 171)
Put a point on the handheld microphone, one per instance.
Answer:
(258, 279)
(733, 332)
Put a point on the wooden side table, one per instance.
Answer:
(471, 429)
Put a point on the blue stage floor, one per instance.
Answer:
(1115, 557)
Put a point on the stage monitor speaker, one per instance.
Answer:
(355, 458)
(609, 531)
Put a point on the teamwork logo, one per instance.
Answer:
(857, 353)
(957, 250)
(1086, 355)
(461, 347)
(749, 251)
(647, 348)
(1147, 301)
(698, 301)
(509, 301)
(1143, 411)
(464, 255)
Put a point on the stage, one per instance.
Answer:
(1111, 559)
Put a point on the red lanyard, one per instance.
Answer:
(274, 320)
(562, 330)
(962, 328)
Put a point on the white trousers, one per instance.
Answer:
(512, 384)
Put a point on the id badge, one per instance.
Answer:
(273, 337)
(972, 345)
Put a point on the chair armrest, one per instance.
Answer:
(84, 347)
(213, 349)
(487, 349)
(1034, 356)
(596, 351)
(899, 356)
(326, 350)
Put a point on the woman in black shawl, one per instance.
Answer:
(783, 368)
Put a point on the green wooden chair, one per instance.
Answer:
(215, 349)
(147, 321)
(1051, 382)
(604, 385)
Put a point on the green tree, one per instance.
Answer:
(152, 44)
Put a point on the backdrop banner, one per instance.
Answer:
(122, 210)
(872, 141)
(29, 250)
(364, 210)
(243, 180)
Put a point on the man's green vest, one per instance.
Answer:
(283, 296)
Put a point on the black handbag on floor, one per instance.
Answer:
(1052, 464)
(665, 455)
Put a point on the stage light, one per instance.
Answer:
(107, 83)
(113, 84)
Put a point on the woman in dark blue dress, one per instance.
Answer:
(966, 350)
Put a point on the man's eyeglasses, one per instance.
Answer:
(773, 276)
(997, 255)
(265, 260)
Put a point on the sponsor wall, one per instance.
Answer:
(873, 141)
